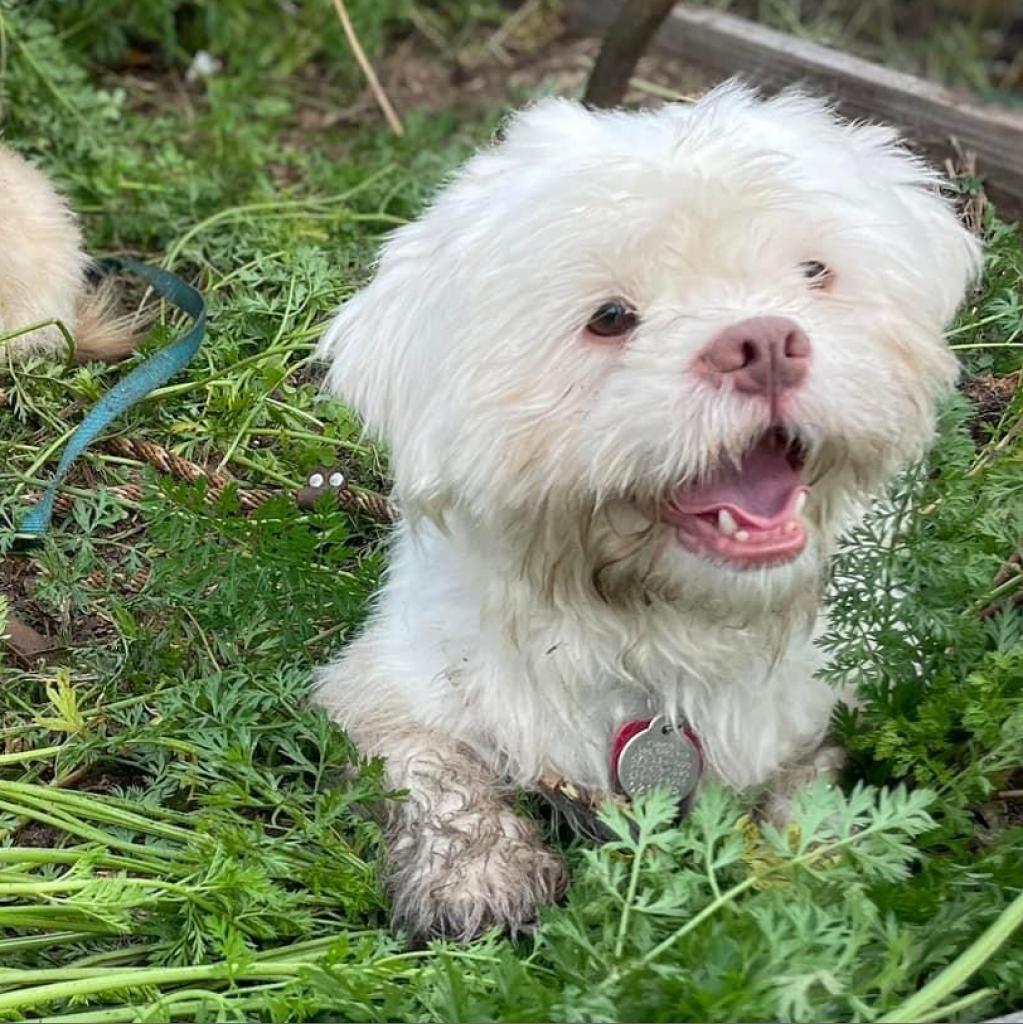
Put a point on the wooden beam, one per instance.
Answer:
(930, 115)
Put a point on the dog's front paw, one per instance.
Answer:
(826, 762)
(455, 883)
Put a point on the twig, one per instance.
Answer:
(662, 92)
(428, 32)
(511, 24)
(132, 584)
(367, 69)
(962, 167)
(1008, 579)
(992, 450)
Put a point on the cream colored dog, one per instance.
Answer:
(636, 371)
(43, 274)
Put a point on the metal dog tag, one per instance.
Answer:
(659, 755)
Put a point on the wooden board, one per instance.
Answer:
(929, 114)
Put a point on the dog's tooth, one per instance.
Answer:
(800, 504)
(742, 535)
(726, 522)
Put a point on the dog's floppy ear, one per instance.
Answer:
(386, 347)
(955, 251)
(945, 255)
(383, 345)
(390, 348)
(950, 254)
(365, 345)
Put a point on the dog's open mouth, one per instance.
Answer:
(747, 515)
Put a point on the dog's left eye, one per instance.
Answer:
(817, 273)
(612, 319)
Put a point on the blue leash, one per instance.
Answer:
(153, 373)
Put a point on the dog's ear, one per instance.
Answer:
(913, 218)
(947, 258)
(386, 348)
(390, 347)
(951, 255)
(365, 346)
(381, 338)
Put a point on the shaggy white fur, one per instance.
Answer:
(43, 273)
(557, 571)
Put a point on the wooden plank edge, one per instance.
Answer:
(929, 114)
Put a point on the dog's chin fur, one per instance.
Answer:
(537, 599)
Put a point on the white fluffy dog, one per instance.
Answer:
(636, 371)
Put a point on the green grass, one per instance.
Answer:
(179, 833)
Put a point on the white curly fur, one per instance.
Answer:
(533, 603)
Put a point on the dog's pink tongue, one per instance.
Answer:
(763, 488)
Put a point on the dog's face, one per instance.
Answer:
(681, 344)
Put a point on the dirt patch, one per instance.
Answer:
(501, 71)
(991, 395)
(39, 836)
(20, 577)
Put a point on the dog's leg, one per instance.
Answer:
(460, 860)
(826, 762)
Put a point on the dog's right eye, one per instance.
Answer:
(818, 274)
(612, 319)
